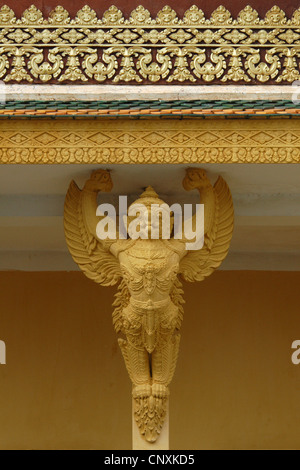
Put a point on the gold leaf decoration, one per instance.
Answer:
(59, 16)
(155, 142)
(7, 16)
(32, 16)
(167, 48)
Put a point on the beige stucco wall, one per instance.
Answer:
(65, 385)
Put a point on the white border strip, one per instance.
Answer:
(148, 92)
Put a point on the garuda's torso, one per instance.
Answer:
(149, 268)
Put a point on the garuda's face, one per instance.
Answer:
(151, 222)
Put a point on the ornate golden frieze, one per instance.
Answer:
(148, 307)
(159, 141)
(138, 49)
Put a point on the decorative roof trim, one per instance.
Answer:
(149, 109)
(141, 49)
(152, 142)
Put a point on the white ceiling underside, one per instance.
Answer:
(266, 200)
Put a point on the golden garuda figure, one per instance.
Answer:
(148, 306)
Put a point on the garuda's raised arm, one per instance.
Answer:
(91, 254)
(218, 225)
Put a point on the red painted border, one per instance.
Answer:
(208, 6)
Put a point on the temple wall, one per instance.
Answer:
(65, 384)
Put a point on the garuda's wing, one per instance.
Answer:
(197, 265)
(93, 258)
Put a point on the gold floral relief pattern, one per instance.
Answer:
(141, 48)
(155, 142)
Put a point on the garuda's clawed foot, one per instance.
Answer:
(150, 408)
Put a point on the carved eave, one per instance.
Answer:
(139, 48)
(157, 141)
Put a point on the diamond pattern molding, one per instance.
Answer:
(157, 141)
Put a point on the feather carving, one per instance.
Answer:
(92, 256)
(196, 265)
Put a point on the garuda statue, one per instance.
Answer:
(148, 307)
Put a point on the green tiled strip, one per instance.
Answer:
(155, 104)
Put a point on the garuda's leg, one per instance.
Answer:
(164, 357)
(150, 373)
(138, 366)
(164, 360)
